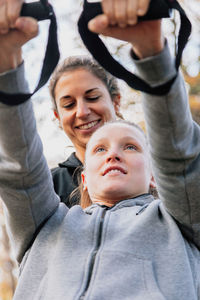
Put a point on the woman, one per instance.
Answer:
(84, 97)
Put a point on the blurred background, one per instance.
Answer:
(57, 147)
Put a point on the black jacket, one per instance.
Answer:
(65, 178)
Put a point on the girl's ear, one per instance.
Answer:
(83, 177)
(152, 183)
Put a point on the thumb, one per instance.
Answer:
(99, 24)
(26, 28)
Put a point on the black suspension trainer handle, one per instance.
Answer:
(158, 9)
(41, 10)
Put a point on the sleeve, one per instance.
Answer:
(26, 186)
(174, 140)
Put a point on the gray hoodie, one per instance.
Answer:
(139, 249)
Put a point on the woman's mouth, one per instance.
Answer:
(88, 125)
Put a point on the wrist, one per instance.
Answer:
(157, 69)
(149, 49)
(10, 61)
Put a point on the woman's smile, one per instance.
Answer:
(88, 127)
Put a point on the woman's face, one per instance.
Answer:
(83, 105)
(117, 164)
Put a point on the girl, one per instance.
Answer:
(126, 245)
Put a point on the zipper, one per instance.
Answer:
(91, 267)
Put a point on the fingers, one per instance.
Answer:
(27, 29)
(108, 9)
(142, 7)
(124, 12)
(132, 7)
(3, 17)
(98, 24)
(9, 12)
(15, 31)
(14, 27)
(115, 11)
(120, 11)
(13, 11)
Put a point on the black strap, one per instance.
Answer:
(158, 9)
(40, 10)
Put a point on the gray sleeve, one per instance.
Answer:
(25, 180)
(174, 144)
(13, 81)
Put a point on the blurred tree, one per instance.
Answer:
(7, 264)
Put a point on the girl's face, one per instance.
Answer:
(83, 105)
(117, 164)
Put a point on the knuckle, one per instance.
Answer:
(11, 17)
(3, 24)
(120, 16)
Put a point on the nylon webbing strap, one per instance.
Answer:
(52, 51)
(158, 9)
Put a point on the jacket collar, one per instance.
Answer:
(142, 200)
(71, 162)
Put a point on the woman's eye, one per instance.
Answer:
(93, 98)
(69, 105)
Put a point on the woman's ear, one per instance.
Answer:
(83, 177)
(116, 102)
(56, 114)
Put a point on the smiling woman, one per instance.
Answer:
(84, 97)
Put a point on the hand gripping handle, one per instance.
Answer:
(41, 11)
(158, 9)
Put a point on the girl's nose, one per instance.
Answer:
(113, 156)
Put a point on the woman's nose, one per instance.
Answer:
(82, 110)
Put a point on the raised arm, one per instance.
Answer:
(174, 137)
(15, 31)
(175, 144)
(25, 181)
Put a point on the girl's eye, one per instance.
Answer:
(99, 149)
(131, 147)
